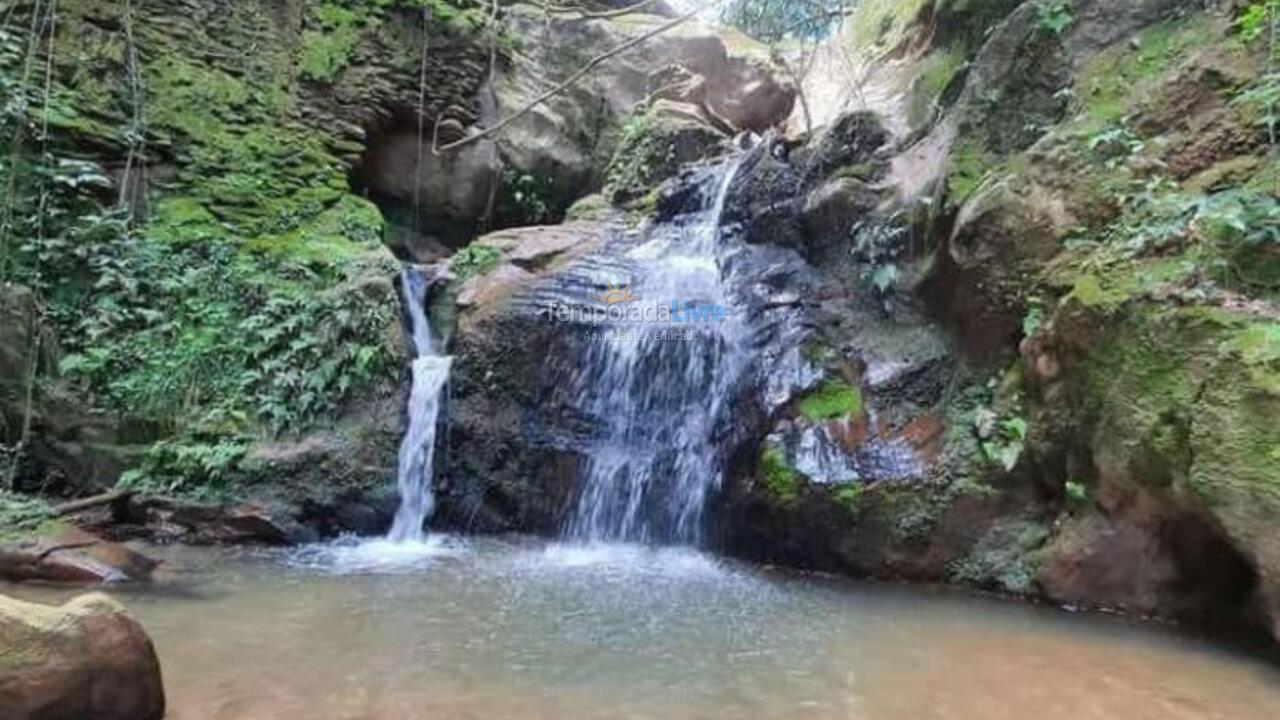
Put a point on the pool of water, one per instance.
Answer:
(499, 629)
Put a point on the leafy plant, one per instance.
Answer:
(21, 512)
(474, 259)
(849, 496)
(779, 479)
(1116, 144)
(308, 354)
(877, 247)
(1054, 16)
(189, 466)
(1076, 493)
(1257, 18)
(524, 199)
(1004, 447)
(1034, 318)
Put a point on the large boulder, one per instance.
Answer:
(565, 137)
(507, 469)
(1169, 411)
(85, 659)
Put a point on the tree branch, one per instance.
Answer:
(64, 546)
(75, 506)
(598, 15)
(574, 78)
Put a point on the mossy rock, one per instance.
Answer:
(832, 399)
(653, 148)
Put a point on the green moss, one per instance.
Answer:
(780, 480)
(333, 35)
(1186, 399)
(935, 72)
(1257, 345)
(474, 259)
(349, 228)
(831, 399)
(1090, 292)
(591, 207)
(21, 515)
(967, 166)
(1006, 558)
(877, 25)
(1107, 86)
(849, 497)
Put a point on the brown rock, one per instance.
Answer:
(75, 557)
(85, 660)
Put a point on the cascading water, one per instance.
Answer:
(430, 372)
(657, 393)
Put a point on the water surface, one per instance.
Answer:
(516, 629)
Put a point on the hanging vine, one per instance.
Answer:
(13, 454)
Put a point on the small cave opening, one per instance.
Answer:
(1216, 580)
(437, 202)
(434, 202)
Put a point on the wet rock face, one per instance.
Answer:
(434, 201)
(85, 659)
(521, 418)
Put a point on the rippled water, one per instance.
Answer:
(505, 629)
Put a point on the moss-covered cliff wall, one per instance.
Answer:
(177, 192)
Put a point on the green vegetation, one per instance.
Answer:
(1076, 493)
(1259, 22)
(1189, 394)
(779, 479)
(967, 166)
(1054, 16)
(1111, 80)
(645, 155)
(474, 259)
(333, 29)
(936, 71)
(833, 398)
(874, 25)
(524, 199)
(1004, 559)
(21, 514)
(245, 293)
(849, 497)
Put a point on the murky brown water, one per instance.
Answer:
(505, 630)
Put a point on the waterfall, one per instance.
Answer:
(657, 393)
(430, 371)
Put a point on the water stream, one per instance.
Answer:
(430, 372)
(657, 390)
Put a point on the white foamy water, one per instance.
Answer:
(659, 403)
(417, 449)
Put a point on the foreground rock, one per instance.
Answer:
(87, 659)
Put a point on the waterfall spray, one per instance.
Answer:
(660, 402)
(430, 372)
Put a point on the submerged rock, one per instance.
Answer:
(75, 557)
(87, 659)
